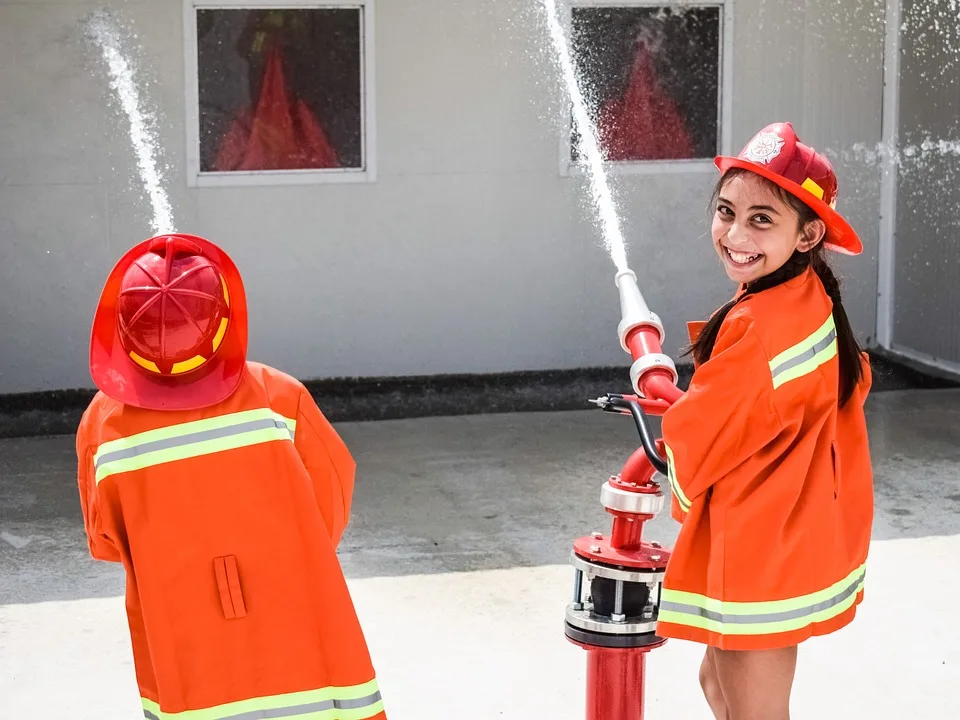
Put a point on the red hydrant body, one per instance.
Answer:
(618, 577)
(615, 683)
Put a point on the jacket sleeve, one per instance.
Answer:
(725, 417)
(329, 463)
(101, 546)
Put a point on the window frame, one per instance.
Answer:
(569, 168)
(265, 178)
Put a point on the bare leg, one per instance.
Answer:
(756, 684)
(710, 682)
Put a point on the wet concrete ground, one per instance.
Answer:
(456, 555)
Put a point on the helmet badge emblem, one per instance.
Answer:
(763, 148)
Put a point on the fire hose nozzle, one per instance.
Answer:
(634, 312)
(637, 327)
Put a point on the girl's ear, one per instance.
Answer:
(811, 235)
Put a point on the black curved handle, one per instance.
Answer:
(646, 436)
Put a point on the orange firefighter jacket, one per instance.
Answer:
(227, 521)
(771, 480)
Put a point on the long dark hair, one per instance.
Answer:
(848, 349)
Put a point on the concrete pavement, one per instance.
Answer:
(456, 555)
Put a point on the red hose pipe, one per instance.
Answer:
(655, 383)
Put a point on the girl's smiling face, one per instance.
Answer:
(756, 228)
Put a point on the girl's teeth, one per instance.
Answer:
(742, 257)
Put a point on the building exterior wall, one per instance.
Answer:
(926, 256)
(470, 253)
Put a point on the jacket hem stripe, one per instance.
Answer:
(759, 642)
(335, 703)
(759, 618)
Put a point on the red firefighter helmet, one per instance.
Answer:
(170, 332)
(777, 154)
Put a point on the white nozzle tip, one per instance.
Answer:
(624, 273)
(633, 310)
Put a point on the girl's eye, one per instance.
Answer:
(762, 219)
(724, 210)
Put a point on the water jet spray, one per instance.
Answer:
(103, 29)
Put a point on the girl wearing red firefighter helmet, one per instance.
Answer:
(224, 492)
(767, 452)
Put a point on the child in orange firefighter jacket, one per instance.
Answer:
(767, 452)
(224, 491)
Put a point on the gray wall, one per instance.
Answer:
(927, 251)
(469, 254)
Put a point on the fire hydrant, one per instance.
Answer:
(618, 577)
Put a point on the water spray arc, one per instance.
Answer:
(618, 577)
(588, 145)
(103, 30)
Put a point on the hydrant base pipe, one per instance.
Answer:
(616, 683)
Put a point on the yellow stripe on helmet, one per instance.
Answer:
(144, 363)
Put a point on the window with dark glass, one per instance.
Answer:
(651, 79)
(280, 89)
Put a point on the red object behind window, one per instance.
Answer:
(644, 124)
(279, 134)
